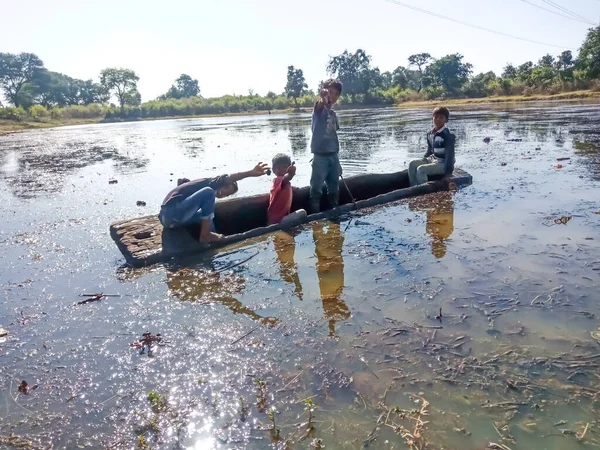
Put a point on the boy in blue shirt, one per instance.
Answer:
(439, 158)
(325, 146)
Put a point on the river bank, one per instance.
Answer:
(9, 126)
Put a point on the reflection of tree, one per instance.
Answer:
(440, 219)
(41, 169)
(206, 286)
(285, 247)
(590, 151)
(330, 270)
(298, 136)
(191, 143)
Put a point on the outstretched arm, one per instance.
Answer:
(289, 175)
(259, 170)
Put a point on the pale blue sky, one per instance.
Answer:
(235, 45)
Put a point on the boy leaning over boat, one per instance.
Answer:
(193, 202)
(439, 158)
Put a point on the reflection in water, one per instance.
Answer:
(330, 269)
(285, 247)
(203, 286)
(440, 219)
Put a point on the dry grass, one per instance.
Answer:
(575, 95)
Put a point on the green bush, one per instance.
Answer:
(38, 112)
(16, 114)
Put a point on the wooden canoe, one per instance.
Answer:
(143, 241)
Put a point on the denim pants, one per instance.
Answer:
(420, 169)
(325, 169)
(189, 211)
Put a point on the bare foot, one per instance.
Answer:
(211, 237)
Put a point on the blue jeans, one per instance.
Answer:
(325, 169)
(189, 211)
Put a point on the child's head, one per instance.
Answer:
(226, 190)
(335, 89)
(441, 115)
(280, 164)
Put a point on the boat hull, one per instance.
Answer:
(143, 241)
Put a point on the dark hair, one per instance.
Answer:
(235, 187)
(333, 83)
(443, 111)
(281, 158)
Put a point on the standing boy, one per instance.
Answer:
(439, 158)
(325, 146)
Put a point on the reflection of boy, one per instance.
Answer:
(330, 269)
(325, 146)
(280, 202)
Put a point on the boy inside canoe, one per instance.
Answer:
(193, 202)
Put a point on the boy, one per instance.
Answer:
(439, 158)
(193, 202)
(325, 146)
(280, 203)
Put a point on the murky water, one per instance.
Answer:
(455, 320)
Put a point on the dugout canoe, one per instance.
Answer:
(143, 241)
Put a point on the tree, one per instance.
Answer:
(449, 72)
(16, 71)
(184, 87)
(120, 82)
(589, 55)
(420, 60)
(524, 71)
(546, 61)
(564, 65)
(353, 70)
(296, 84)
(509, 72)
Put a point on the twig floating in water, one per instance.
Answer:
(95, 298)
(245, 336)
(236, 264)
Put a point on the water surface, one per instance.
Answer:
(345, 314)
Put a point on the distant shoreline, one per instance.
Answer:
(9, 126)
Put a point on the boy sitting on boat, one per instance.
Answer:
(325, 146)
(439, 158)
(193, 202)
(280, 202)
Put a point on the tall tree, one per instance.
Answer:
(449, 72)
(509, 71)
(589, 55)
(524, 71)
(546, 61)
(16, 71)
(184, 87)
(354, 71)
(420, 60)
(564, 65)
(120, 82)
(296, 84)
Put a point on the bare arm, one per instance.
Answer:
(289, 175)
(258, 171)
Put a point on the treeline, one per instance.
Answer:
(34, 92)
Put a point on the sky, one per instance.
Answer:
(232, 46)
